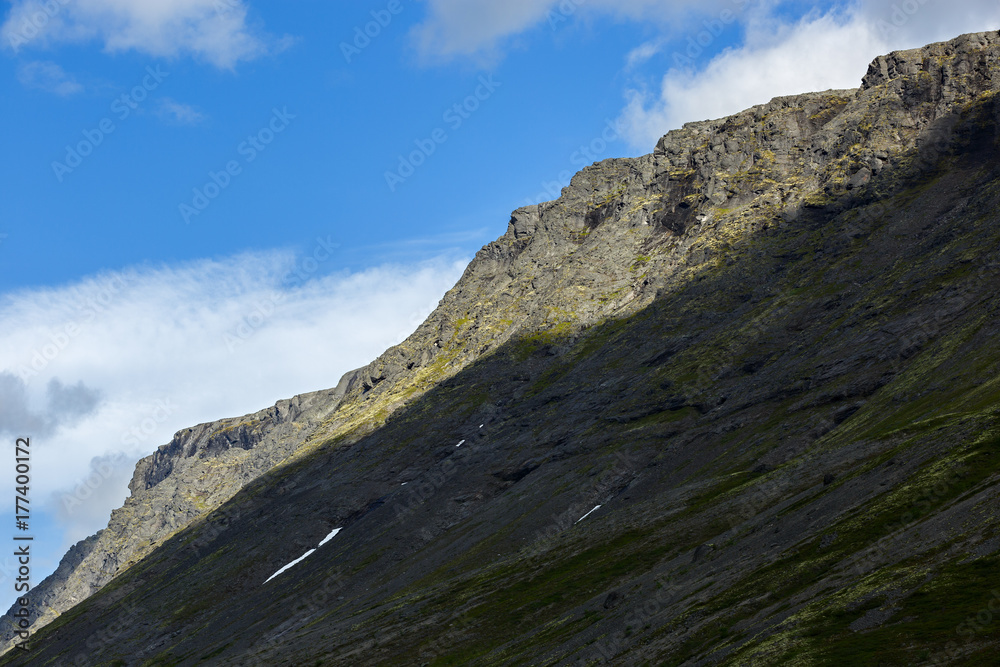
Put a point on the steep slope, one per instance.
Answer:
(201, 468)
(767, 351)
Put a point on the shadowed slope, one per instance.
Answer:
(788, 418)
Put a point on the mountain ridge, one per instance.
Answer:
(625, 235)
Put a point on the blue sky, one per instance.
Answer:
(234, 239)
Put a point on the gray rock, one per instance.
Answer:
(757, 246)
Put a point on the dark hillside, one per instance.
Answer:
(770, 352)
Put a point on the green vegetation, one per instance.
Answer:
(790, 419)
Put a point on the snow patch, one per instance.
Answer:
(460, 444)
(298, 560)
(329, 537)
(588, 514)
(292, 564)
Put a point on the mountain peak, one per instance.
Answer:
(762, 351)
(965, 65)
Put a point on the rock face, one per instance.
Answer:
(201, 468)
(733, 402)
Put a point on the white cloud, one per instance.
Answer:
(817, 53)
(642, 53)
(182, 114)
(914, 23)
(455, 28)
(779, 55)
(171, 347)
(213, 30)
(49, 77)
(64, 405)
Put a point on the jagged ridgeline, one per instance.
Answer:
(734, 402)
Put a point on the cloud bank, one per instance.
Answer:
(213, 30)
(786, 47)
(456, 28)
(101, 372)
(818, 52)
(48, 76)
(64, 405)
(179, 113)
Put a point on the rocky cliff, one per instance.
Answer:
(201, 468)
(731, 402)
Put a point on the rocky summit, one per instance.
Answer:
(736, 402)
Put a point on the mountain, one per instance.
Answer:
(734, 402)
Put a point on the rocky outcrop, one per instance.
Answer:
(560, 266)
(747, 315)
(201, 468)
